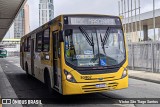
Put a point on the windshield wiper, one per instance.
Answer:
(102, 44)
(92, 43)
(104, 41)
(85, 34)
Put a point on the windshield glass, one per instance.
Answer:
(3, 52)
(86, 47)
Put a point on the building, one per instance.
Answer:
(19, 25)
(46, 11)
(26, 19)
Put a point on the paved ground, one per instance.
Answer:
(0, 102)
(25, 87)
(146, 76)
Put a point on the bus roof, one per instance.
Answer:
(100, 15)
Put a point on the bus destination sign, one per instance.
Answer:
(93, 21)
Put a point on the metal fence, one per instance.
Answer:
(144, 56)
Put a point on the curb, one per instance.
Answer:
(144, 79)
(6, 90)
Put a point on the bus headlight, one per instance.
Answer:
(125, 73)
(69, 76)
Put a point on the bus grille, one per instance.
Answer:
(105, 78)
(93, 88)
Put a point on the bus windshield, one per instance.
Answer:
(93, 46)
(2, 51)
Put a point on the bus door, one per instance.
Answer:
(32, 56)
(56, 62)
(22, 54)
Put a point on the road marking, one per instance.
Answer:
(17, 64)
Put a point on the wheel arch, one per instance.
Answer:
(47, 73)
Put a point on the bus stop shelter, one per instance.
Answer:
(8, 11)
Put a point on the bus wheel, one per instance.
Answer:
(48, 82)
(26, 69)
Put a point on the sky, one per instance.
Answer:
(74, 7)
(108, 7)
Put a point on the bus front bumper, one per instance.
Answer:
(83, 88)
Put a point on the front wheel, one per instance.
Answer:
(48, 83)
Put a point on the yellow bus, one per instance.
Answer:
(77, 54)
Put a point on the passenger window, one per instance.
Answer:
(21, 48)
(25, 45)
(46, 40)
(29, 44)
(39, 42)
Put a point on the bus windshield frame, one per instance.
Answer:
(96, 37)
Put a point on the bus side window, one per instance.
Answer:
(39, 42)
(46, 40)
(25, 45)
(21, 47)
(29, 43)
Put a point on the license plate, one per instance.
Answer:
(100, 85)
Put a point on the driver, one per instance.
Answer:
(71, 51)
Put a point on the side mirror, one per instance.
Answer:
(68, 32)
(61, 36)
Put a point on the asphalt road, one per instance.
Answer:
(25, 87)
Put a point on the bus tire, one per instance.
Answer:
(48, 81)
(26, 69)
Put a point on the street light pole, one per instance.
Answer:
(140, 28)
(125, 15)
(128, 18)
(135, 3)
(131, 21)
(154, 26)
(119, 7)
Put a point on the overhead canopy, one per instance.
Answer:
(8, 11)
(146, 19)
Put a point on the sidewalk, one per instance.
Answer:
(0, 102)
(6, 90)
(146, 76)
